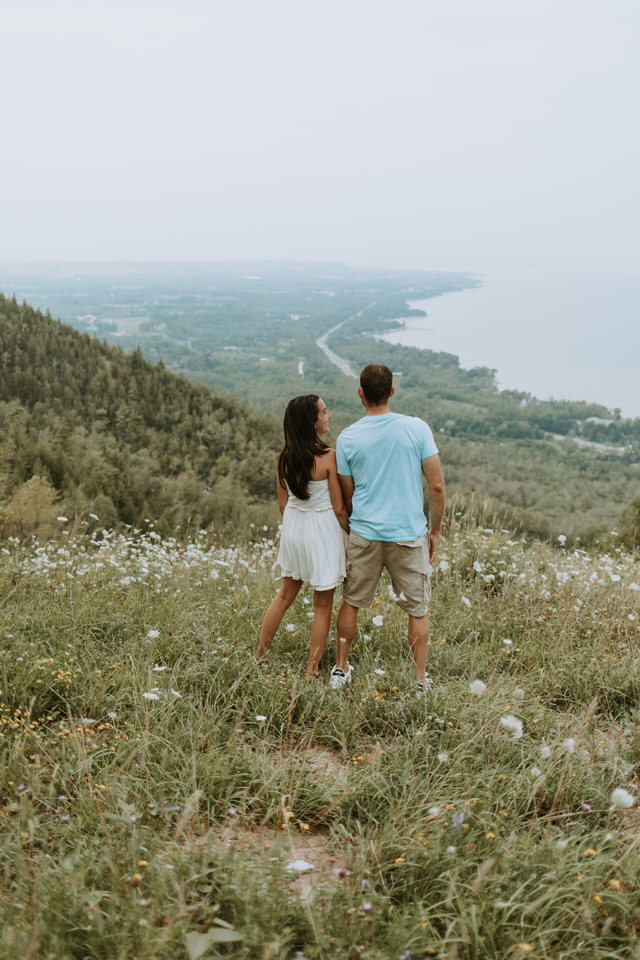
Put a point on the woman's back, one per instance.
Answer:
(319, 497)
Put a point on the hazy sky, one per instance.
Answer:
(403, 132)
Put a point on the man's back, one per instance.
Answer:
(383, 454)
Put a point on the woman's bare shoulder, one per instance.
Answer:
(325, 463)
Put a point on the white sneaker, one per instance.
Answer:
(422, 686)
(338, 677)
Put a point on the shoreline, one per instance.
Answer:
(541, 333)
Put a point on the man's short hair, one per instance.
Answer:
(376, 383)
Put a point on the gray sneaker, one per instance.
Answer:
(338, 677)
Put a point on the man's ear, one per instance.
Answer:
(393, 390)
(361, 393)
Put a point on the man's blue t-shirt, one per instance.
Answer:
(383, 454)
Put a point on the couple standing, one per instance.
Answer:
(370, 488)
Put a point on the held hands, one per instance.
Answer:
(433, 544)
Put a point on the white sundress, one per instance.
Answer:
(312, 544)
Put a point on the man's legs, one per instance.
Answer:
(346, 631)
(364, 566)
(408, 564)
(419, 643)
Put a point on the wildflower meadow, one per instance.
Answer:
(166, 796)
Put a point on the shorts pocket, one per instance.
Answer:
(356, 539)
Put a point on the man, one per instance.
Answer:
(381, 459)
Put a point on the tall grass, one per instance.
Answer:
(157, 784)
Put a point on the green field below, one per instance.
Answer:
(544, 467)
(165, 796)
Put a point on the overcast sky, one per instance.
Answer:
(398, 132)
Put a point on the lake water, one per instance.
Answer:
(570, 333)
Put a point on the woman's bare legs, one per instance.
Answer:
(275, 612)
(322, 604)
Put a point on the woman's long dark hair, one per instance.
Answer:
(301, 444)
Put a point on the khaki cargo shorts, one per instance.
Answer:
(407, 563)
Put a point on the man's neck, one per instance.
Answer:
(377, 411)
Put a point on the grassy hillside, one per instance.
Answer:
(90, 431)
(163, 796)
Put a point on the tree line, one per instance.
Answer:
(92, 431)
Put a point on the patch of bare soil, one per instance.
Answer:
(320, 760)
(327, 863)
(325, 762)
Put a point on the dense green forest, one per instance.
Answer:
(170, 450)
(106, 436)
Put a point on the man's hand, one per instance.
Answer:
(433, 545)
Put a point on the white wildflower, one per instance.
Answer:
(63, 519)
(175, 693)
(477, 688)
(507, 642)
(545, 752)
(433, 812)
(300, 865)
(562, 539)
(518, 694)
(291, 628)
(378, 620)
(260, 717)
(562, 844)
(443, 565)
(451, 851)
(160, 669)
(380, 673)
(568, 745)
(152, 634)
(535, 772)
(151, 696)
(512, 726)
(634, 586)
(466, 601)
(621, 799)
(443, 757)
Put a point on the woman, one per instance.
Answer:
(313, 511)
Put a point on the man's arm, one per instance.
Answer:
(348, 487)
(433, 472)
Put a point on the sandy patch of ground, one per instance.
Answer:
(288, 846)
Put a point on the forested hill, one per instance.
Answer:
(91, 432)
